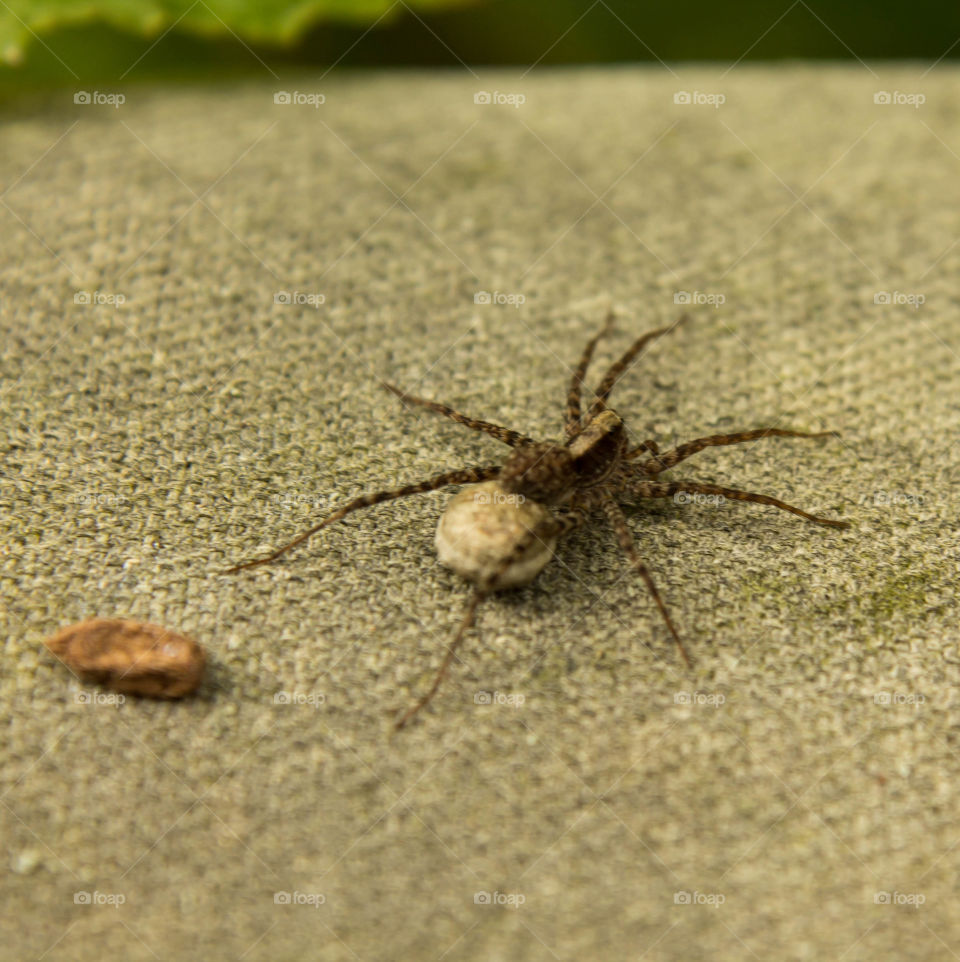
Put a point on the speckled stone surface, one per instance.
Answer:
(793, 796)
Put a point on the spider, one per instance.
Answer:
(586, 475)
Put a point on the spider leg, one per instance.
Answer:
(643, 446)
(667, 489)
(563, 521)
(573, 395)
(513, 438)
(460, 476)
(661, 462)
(568, 518)
(469, 616)
(619, 523)
(613, 375)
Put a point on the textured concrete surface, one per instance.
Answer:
(614, 804)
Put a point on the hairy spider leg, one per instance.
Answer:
(507, 436)
(460, 476)
(563, 521)
(618, 522)
(667, 489)
(573, 423)
(661, 462)
(616, 371)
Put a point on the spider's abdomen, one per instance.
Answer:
(483, 525)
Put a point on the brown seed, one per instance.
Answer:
(131, 656)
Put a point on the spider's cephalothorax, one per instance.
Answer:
(598, 449)
(502, 532)
(551, 473)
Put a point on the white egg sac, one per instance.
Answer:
(480, 528)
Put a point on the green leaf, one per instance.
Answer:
(256, 21)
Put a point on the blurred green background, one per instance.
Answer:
(59, 41)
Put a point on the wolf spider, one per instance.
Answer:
(574, 479)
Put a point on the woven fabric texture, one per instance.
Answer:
(200, 289)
